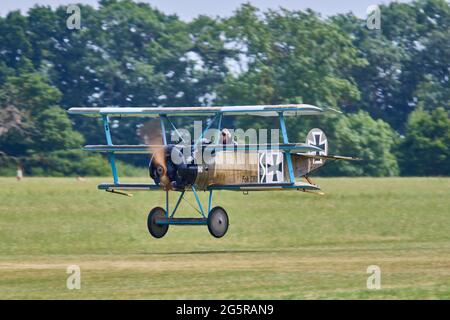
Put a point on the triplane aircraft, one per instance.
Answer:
(247, 167)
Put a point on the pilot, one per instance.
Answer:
(226, 137)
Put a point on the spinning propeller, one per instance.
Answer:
(151, 134)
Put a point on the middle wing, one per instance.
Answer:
(145, 149)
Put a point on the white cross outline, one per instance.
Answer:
(321, 142)
(267, 153)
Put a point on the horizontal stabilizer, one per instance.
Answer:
(313, 156)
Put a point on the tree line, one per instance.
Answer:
(391, 84)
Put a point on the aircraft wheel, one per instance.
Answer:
(218, 222)
(157, 230)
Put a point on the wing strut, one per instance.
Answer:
(286, 140)
(111, 157)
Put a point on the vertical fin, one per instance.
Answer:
(316, 137)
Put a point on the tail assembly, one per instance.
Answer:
(317, 138)
(305, 163)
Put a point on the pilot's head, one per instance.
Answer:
(225, 136)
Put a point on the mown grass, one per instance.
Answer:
(280, 245)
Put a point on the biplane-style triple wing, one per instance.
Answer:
(265, 167)
(164, 112)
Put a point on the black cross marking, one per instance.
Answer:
(274, 168)
(317, 143)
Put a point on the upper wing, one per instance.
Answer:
(262, 110)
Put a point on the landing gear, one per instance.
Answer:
(216, 219)
(217, 222)
(157, 230)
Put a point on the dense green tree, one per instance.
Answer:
(22, 99)
(31, 122)
(14, 41)
(55, 131)
(431, 94)
(373, 141)
(425, 150)
(289, 56)
(407, 56)
(30, 92)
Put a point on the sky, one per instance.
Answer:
(189, 9)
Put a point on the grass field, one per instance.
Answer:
(280, 245)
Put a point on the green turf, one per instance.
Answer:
(281, 245)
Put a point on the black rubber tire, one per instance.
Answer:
(218, 222)
(157, 230)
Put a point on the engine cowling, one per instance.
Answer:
(180, 173)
